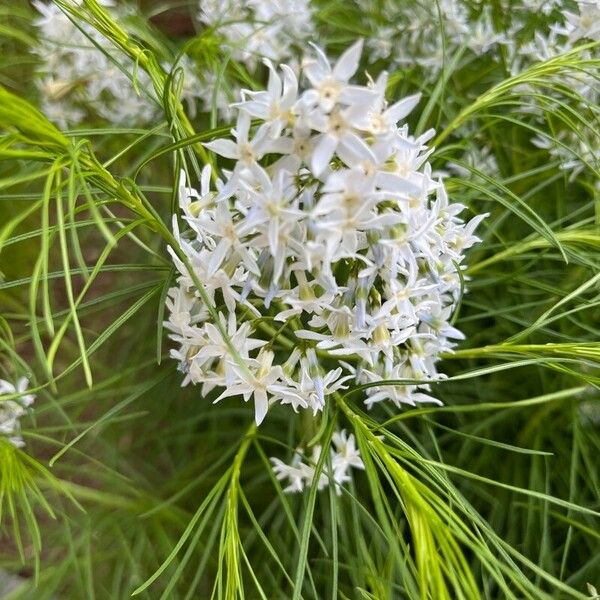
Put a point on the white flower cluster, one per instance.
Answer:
(554, 31)
(529, 31)
(343, 455)
(557, 30)
(429, 33)
(12, 410)
(257, 29)
(75, 76)
(329, 250)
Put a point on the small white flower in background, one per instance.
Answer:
(429, 33)
(475, 158)
(12, 410)
(573, 150)
(258, 29)
(343, 454)
(543, 6)
(483, 36)
(328, 249)
(76, 77)
(586, 23)
(543, 47)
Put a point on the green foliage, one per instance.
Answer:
(151, 490)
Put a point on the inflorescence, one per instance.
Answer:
(11, 410)
(78, 75)
(329, 250)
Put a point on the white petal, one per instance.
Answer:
(353, 149)
(232, 390)
(394, 183)
(402, 108)
(261, 406)
(347, 63)
(256, 109)
(217, 256)
(205, 180)
(242, 127)
(278, 146)
(290, 87)
(306, 334)
(273, 236)
(6, 387)
(274, 83)
(357, 94)
(317, 70)
(224, 148)
(322, 153)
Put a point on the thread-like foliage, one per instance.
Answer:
(130, 484)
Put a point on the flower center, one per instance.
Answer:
(329, 92)
(246, 153)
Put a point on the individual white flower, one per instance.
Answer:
(455, 20)
(311, 390)
(192, 202)
(273, 106)
(588, 411)
(482, 35)
(258, 380)
(380, 118)
(297, 472)
(475, 158)
(330, 85)
(310, 297)
(382, 46)
(343, 455)
(12, 410)
(248, 152)
(228, 237)
(585, 24)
